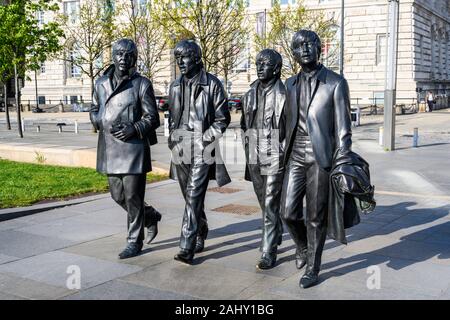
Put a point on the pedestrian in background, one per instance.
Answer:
(430, 101)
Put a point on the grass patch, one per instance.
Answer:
(23, 184)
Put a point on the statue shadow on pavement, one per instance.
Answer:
(410, 248)
(415, 247)
(249, 242)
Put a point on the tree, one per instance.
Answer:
(6, 70)
(284, 22)
(26, 42)
(142, 27)
(217, 25)
(89, 32)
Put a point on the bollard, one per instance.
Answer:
(380, 137)
(76, 126)
(23, 124)
(38, 128)
(166, 123)
(358, 116)
(416, 137)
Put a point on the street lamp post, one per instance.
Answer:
(391, 75)
(341, 45)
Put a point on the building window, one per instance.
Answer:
(286, 2)
(73, 99)
(139, 7)
(42, 69)
(74, 58)
(243, 60)
(41, 99)
(381, 49)
(40, 16)
(72, 11)
(261, 24)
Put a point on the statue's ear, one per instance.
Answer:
(277, 70)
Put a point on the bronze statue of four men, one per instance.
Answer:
(291, 133)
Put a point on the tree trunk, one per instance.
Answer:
(19, 118)
(36, 90)
(225, 79)
(8, 122)
(91, 76)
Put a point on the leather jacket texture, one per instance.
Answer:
(351, 193)
(275, 96)
(211, 105)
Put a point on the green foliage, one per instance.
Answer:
(219, 26)
(25, 42)
(25, 183)
(284, 22)
(90, 37)
(142, 27)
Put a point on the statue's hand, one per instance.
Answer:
(126, 133)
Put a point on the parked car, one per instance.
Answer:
(234, 103)
(162, 102)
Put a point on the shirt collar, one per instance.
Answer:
(312, 74)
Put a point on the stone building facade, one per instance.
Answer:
(423, 53)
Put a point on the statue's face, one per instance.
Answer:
(306, 51)
(186, 63)
(265, 69)
(123, 59)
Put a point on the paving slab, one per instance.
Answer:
(121, 290)
(5, 258)
(6, 296)
(12, 284)
(395, 273)
(74, 229)
(163, 249)
(204, 281)
(22, 244)
(53, 269)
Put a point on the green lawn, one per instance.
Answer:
(22, 184)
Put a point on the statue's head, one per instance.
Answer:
(125, 54)
(306, 47)
(268, 65)
(189, 57)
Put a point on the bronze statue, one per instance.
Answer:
(318, 123)
(125, 115)
(262, 122)
(199, 115)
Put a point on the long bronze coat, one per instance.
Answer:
(211, 105)
(328, 116)
(131, 102)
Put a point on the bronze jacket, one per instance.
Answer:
(276, 96)
(351, 193)
(132, 102)
(328, 116)
(211, 105)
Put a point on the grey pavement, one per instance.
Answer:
(406, 240)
